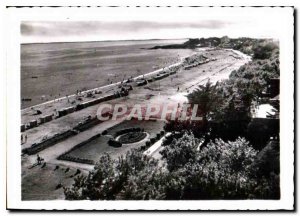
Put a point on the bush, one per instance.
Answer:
(158, 136)
(77, 172)
(127, 130)
(104, 132)
(162, 133)
(114, 143)
(152, 140)
(148, 143)
(58, 186)
(264, 51)
(132, 137)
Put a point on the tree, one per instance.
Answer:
(133, 176)
(180, 151)
(206, 98)
(224, 170)
(264, 50)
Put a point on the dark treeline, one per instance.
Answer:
(262, 48)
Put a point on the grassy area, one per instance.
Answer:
(94, 149)
(41, 183)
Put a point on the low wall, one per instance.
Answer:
(161, 76)
(75, 159)
(87, 124)
(37, 147)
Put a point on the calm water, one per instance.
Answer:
(58, 69)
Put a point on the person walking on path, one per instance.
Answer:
(38, 159)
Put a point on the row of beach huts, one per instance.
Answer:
(68, 110)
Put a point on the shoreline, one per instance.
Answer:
(106, 86)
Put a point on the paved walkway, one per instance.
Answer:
(50, 154)
(156, 146)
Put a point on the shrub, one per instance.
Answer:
(158, 136)
(152, 140)
(127, 130)
(58, 186)
(104, 132)
(264, 51)
(132, 137)
(77, 172)
(148, 143)
(114, 143)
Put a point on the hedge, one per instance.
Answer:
(136, 137)
(114, 143)
(87, 124)
(37, 147)
(75, 159)
(127, 130)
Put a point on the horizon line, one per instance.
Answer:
(104, 41)
(143, 39)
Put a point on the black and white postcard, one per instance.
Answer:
(150, 108)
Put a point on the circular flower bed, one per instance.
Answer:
(132, 137)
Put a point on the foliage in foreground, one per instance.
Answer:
(220, 170)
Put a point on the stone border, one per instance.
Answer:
(142, 140)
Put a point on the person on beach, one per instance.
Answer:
(38, 159)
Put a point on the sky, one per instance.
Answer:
(152, 24)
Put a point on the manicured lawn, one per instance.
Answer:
(94, 149)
